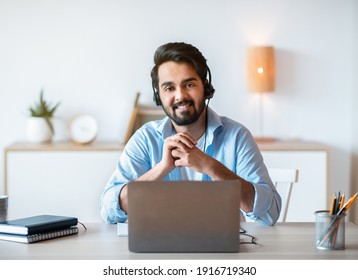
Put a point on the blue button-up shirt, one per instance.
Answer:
(226, 140)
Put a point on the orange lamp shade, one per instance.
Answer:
(261, 69)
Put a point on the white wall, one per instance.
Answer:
(93, 56)
(354, 168)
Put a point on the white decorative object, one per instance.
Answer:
(83, 129)
(38, 130)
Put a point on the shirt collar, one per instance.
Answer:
(214, 123)
(165, 127)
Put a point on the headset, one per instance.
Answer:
(209, 90)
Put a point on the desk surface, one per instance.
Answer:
(100, 241)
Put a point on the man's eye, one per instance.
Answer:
(167, 89)
(190, 85)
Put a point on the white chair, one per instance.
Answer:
(283, 179)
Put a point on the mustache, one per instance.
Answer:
(182, 103)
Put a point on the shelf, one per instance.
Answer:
(290, 145)
(64, 146)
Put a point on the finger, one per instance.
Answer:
(185, 139)
(188, 136)
(179, 163)
(178, 144)
(180, 160)
(177, 153)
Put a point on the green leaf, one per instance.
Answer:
(48, 121)
(44, 109)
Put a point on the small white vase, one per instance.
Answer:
(38, 130)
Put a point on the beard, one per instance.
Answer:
(187, 117)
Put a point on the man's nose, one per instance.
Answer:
(181, 93)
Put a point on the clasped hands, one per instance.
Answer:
(181, 150)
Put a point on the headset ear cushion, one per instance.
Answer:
(156, 98)
(209, 91)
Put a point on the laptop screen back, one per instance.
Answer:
(184, 216)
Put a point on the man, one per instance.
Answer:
(192, 142)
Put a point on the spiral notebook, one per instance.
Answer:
(32, 238)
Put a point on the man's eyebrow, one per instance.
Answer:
(166, 84)
(189, 80)
(169, 83)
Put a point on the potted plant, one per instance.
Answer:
(39, 126)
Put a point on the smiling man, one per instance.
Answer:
(192, 142)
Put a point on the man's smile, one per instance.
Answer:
(183, 105)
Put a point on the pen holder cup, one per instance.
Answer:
(330, 231)
(3, 207)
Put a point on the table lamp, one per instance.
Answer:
(261, 77)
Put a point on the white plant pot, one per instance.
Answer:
(38, 130)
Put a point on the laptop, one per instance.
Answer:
(184, 216)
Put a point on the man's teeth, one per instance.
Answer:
(183, 106)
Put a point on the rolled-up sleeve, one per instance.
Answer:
(130, 166)
(109, 209)
(251, 167)
(267, 205)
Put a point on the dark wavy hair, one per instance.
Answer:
(179, 52)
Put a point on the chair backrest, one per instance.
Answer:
(283, 180)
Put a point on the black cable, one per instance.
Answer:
(83, 225)
(206, 123)
(253, 238)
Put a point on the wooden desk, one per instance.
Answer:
(291, 241)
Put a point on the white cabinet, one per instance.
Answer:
(60, 178)
(68, 179)
(311, 159)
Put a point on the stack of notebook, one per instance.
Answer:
(38, 228)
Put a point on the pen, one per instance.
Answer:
(332, 239)
(338, 199)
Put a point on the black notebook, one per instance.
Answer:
(37, 224)
(32, 238)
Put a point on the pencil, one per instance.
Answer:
(347, 205)
(333, 204)
(341, 202)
